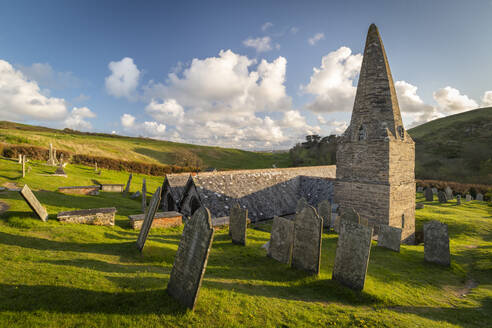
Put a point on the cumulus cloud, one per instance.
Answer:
(261, 44)
(21, 98)
(266, 26)
(77, 119)
(333, 82)
(451, 101)
(127, 120)
(124, 78)
(168, 111)
(315, 38)
(47, 77)
(487, 99)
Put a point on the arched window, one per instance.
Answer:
(195, 204)
(170, 203)
(362, 133)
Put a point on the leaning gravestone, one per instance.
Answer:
(281, 239)
(352, 254)
(429, 195)
(127, 188)
(306, 248)
(436, 243)
(191, 259)
(389, 237)
(458, 199)
(301, 204)
(480, 197)
(324, 210)
(144, 195)
(441, 195)
(33, 203)
(149, 217)
(468, 197)
(237, 224)
(449, 193)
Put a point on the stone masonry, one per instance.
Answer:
(93, 216)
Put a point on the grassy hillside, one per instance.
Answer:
(68, 275)
(138, 149)
(456, 147)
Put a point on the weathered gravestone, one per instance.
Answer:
(20, 159)
(349, 214)
(306, 248)
(237, 224)
(449, 192)
(352, 254)
(191, 259)
(389, 237)
(420, 189)
(468, 197)
(429, 195)
(129, 182)
(95, 166)
(281, 239)
(324, 211)
(441, 195)
(149, 217)
(33, 203)
(301, 204)
(436, 243)
(434, 191)
(458, 199)
(144, 195)
(23, 166)
(480, 197)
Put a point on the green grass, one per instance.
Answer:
(67, 275)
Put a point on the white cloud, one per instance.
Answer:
(451, 101)
(321, 120)
(266, 26)
(77, 119)
(315, 38)
(154, 129)
(487, 99)
(47, 77)
(338, 127)
(21, 99)
(127, 120)
(413, 108)
(124, 78)
(294, 30)
(168, 111)
(333, 83)
(261, 44)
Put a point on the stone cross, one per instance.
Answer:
(33, 203)
(479, 197)
(458, 199)
(144, 195)
(191, 259)
(441, 195)
(429, 195)
(389, 237)
(281, 239)
(436, 243)
(468, 197)
(352, 254)
(23, 166)
(148, 219)
(127, 189)
(324, 210)
(237, 224)
(306, 248)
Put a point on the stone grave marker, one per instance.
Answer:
(20, 159)
(419, 206)
(23, 166)
(301, 204)
(237, 224)
(441, 195)
(93, 216)
(480, 197)
(60, 170)
(429, 195)
(458, 199)
(420, 189)
(434, 190)
(190, 261)
(149, 217)
(144, 195)
(352, 254)
(389, 237)
(33, 203)
(349, 214)
(95, 166)
(468, 197)
(306, 248)
(135, 195)
(129, 182)
(324, 210)
(449, 192)
(436, 243)
(281, 239)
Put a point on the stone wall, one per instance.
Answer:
(80, 190)
(95, 216)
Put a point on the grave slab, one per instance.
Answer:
(112, 187)
(80, 190)
(33, 203)
(281, 239)
(389, 237)
(93, 216)
(161, 220)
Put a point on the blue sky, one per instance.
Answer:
(245, 74)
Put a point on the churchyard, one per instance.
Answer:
(55, 274)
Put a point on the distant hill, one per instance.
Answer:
(139, 149)
(455, 148)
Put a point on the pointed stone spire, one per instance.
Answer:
(376, 111)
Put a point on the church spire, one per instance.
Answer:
(376, 113)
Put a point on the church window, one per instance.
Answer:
(401, 131)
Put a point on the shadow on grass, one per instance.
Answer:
(108, 267)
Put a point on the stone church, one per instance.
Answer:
(374, 172)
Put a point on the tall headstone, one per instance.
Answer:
(33, 203)
(324, 210)
(468, 197)
(480, 197)
(449, 192)
(306, 248)
(50, 156)
(23, 166)
(281, 240)
(237, 224)
(389, 237)
(129, 182)
(441, 195)
(54, 157)
(429, 195)
(352, 254)
(191, 259)
(436, 243)
(144, 195)
(148, 219)
(458, 199)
